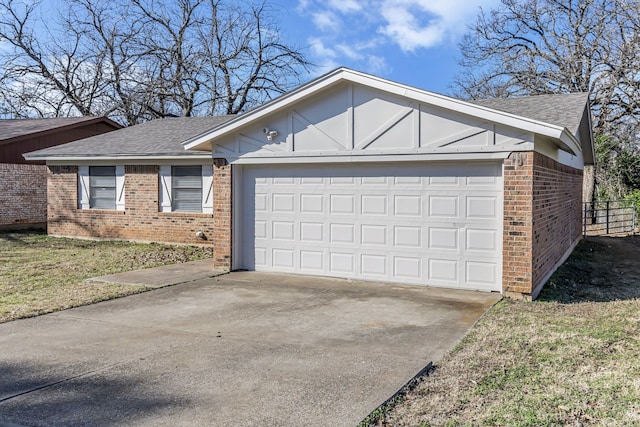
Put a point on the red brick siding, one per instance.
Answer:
(517, 224)
(542, 220)
(222, 213)
(141, 219)
(23, 198)
(557, 214)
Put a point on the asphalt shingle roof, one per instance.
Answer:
(14, 128)
(565, 110)
(164, 137)
(160, 137)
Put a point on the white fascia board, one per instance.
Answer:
(131, 160)
(375, 154)
(570, 144)
(370, 159)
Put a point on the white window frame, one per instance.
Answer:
(84, 187)
(166, 192)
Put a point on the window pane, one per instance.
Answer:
(103, 181)
(102, 204)
(102, 171)
(186, 183)
(103, 192)
(102, 187)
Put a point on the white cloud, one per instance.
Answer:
(326, 21)
(377, 65)
(324, 57)
(303, 5)
(349, 52)
(346, 6)
(415, 24)
(359, 33)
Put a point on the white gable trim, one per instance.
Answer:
(562, 135)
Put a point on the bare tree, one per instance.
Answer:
(45, 78)
(528, 47)
(136, 60)
(247, 61)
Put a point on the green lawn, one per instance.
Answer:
(41, 274)
(570, 358)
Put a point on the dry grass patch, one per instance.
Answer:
(570, 358)
(41, 274)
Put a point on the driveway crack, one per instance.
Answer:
(54, 383)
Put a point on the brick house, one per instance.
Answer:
(24, 186)
(348, 176)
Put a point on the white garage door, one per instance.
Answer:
(436, 224)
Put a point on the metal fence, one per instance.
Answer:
(609, 217)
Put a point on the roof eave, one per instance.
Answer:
(89, 121)
(126, 157)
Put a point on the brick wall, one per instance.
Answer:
(557, 215)
(222, 213)
(23, 198)
(141, 219)
(517, 224)
(542, 220)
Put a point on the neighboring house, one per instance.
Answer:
(24, 186)
(348, 176)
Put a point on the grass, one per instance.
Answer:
(570, 358)
(41, 274)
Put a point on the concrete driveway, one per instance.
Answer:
(244, 349)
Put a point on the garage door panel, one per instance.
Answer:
(374, 204)
(481, 272)
(374, 234)
(283, 258)
(407, 205)
(312, 203)
(410, 223)
(407, 236)
(342, 233)
(481, 240)
(312, 232)
(479, 207)
(283, 202)
(408, 267)
(443, 181)
(341, 204)
(342, 263)
(282, 230)
(312, 260)
(374, 265)
(444, 270)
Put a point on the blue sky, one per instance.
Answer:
(414, 42)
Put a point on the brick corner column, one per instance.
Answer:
(222, 214)
(517, 238)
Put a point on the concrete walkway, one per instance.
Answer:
(167, 275)
(244, 348)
